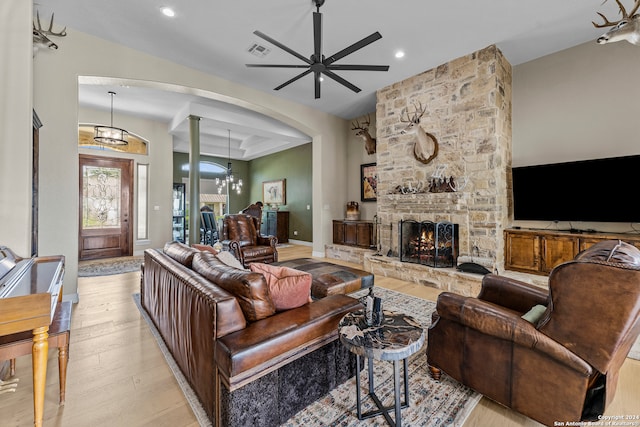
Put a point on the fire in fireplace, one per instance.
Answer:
(429, 243)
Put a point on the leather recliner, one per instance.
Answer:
(560, 367)
(242, 238)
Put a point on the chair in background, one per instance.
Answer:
(551, 355)
(255, 210)
(210, 233)
(241, 237)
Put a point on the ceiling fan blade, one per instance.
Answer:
(281, 46)
(299, 76)
(356, 46)
(316, 79)
(275, 66)
(317, 36)
(358, 67)
(340, 80)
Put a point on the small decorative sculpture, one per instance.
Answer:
(627, 28)
(353, 211)
(363, 132)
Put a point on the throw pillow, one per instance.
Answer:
(228, 258)
(289, 288)
(533, 315)
(250, 289)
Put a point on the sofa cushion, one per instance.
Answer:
(224, 256)
(250, 289)
(289, 288)
(180, 252)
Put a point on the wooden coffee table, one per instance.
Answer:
(395, 339)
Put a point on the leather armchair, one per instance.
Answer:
(562, 366)
(242, 238)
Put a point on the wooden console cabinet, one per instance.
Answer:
(275, 223)
(353, 233)
(538, 251)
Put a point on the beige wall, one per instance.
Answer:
(55, 99)
(15, 125)
(577, 104)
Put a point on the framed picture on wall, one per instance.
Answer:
(368, 182)
(274, 192)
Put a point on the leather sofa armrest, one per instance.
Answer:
(500, 322)
(511, 293)
(267, 240)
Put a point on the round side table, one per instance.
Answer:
(395, 339)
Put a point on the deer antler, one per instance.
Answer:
(364, 127)
(416, 116)
(50, 31)
(625, 15)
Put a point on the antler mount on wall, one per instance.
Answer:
(318, 64)
(626, 28)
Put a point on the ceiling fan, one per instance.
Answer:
(318, 64)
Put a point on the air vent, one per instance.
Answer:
(258, 50)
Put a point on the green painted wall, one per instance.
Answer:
(237, 202)
(295, 166)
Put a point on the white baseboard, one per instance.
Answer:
(300, 242)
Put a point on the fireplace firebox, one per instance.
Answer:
(434, 244)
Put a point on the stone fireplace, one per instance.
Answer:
(468, 111)
(434, 244)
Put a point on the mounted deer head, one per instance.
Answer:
(40, 39)
(363, 132)
(425, 148)
(627, 28)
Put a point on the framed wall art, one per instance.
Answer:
(368, 182)
(274, 192)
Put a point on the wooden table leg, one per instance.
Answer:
(39, 353)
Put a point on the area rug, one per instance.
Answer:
(433, 403)
(109, 266)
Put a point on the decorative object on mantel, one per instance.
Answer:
(363, 132)
(109, 135)
(40, 39)
(626, 28)
(353, 211)
(274, 193)
(368, 182)
(425, 148)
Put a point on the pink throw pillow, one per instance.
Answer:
(289, 288)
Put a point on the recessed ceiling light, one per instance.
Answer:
(167, 11)
(399, 54)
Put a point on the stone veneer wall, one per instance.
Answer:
(469, 112)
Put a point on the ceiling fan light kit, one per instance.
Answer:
(318, 64)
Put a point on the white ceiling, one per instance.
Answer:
(214, 37)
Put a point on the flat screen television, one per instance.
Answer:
(602, 190)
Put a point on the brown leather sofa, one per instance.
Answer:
(241, 236)
(562, 366)
(247, 364)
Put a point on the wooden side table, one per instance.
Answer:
(395, 339)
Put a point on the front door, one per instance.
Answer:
(105, 207)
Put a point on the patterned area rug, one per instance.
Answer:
(110, 266)
(433, 403)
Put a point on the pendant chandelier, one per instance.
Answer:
(109, 135)
(228, 181)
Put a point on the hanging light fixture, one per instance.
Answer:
(228, 182)
(109, 135)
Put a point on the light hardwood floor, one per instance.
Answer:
(117, 376)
